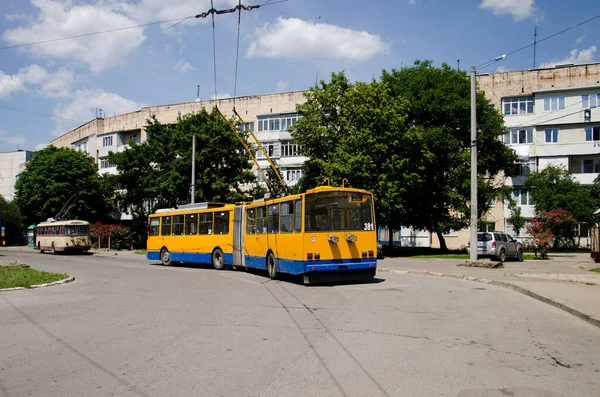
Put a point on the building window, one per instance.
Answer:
(293, 174)
(289, 149)
(272, 149)
(592, 134)
(590, 101)
(107, 141)
(104, 163)
(582, 229)
(551, 135)
(524, 168)
(554, 103)
(280, 122)
(519, 136)
(247, 126)
(522, 196)
(487, 226)
(518, 105)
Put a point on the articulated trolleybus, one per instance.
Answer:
(59, 236)
(327, 233)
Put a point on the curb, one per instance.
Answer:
(591, 320)
(64, 281)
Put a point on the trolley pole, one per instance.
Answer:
(193, 169)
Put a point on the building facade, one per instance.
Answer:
(551, 115)
(268, 117)
(11, 165)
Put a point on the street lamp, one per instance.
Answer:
(473, 237)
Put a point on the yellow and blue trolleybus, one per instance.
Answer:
(324, 233)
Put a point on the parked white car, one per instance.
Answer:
(498, 246)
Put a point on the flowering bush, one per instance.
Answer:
(120, 236)
(543, 230)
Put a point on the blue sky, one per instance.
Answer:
(283, 46)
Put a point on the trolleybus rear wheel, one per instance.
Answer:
(272, 266)
(218, 259)
(165, 257)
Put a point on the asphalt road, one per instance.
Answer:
(127, 327)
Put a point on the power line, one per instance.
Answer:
(93, 33)
(549, 37)
(42, 114)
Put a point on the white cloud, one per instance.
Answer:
(501, 69)
(36, 79)
(411, 2)
(281, 86)
(294, 38)
(84, 105)
(576, 56)
(579, 40)
(57, 20)
(11, 140)
(519, 9)
(183, 66)
(9, 84)
(15, 17)
(40, 146)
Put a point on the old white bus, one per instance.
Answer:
(59, 236)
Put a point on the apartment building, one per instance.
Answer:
(268, 117)
(11, 165)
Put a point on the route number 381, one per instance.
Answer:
(368, 226)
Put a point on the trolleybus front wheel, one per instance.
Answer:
(218, 259)
(272, 266)
(165, 257)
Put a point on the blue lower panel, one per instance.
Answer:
(189, 257)
(256, 262)
(340, 265)
(300, 267)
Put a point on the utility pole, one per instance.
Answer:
(193, 169)
(534, 43)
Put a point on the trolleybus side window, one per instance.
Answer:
(206, 221)
(298, 216)
(222, 222)
(287, 217)
(153, 228)
(165, 229)
(251, 221)
(261, 220)
(273, 221)
(191, 224)
(177, 229)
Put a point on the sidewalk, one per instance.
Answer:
(563, 281)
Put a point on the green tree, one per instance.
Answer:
(60, 182)
(440, 105)
(157, 173)
(12, 222)
(358, 132)
(554, 187)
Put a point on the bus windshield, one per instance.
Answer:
(76, 230)
(338, 211)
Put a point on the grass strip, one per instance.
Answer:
(19, 276)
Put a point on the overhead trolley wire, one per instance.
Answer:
(547, 37)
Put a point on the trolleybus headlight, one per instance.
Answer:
(333, 239)
(351, 238)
